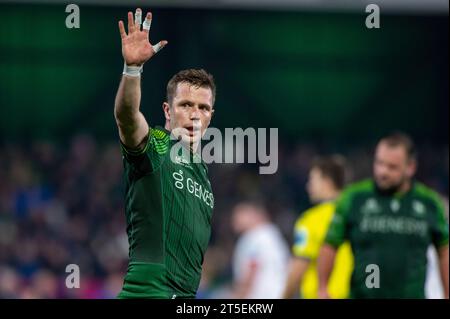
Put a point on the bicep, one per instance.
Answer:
(133, 134)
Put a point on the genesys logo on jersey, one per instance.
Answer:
(193, 187)
(182, 161)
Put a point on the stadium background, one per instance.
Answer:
(316, 73)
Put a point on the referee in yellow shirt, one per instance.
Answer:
(326, 180)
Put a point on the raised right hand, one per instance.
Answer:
(136, 46)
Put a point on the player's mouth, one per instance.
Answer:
(192, 130)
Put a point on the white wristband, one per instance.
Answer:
(131, 70)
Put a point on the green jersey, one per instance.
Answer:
(168, 205)
(391, 232)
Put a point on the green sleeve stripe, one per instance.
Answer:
(160, 134)
(361, 187)
(347, 196)
(161, 141)
(161, 147)
(433, 196)
(423, 190)
(426, 192)
(156, 137)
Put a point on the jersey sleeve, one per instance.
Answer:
(152, 155)
(306, 244)
(337, 231)
(439, 225)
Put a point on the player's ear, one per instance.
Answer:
(412, 167)
(166, 109)
(211, 117)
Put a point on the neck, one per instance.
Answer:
(405, 187)
(257, 224)
(167, 126)
(329, 194)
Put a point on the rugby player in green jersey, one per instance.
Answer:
(168, 199)
(390, 221)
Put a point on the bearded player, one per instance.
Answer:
(390, 222)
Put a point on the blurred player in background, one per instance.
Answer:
(168, 201)
(261, 254)
(433, 284)
(326, 180)
(390, 221)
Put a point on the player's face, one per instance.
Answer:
(392, 168)
(242, 218)
(315, 185)
(190, 113)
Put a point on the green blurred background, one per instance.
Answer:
(314, 75)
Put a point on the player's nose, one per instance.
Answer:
(195, 114)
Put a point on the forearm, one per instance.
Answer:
(244, 284)
(131, 123)
(296, 270)
(291, 286)
(443, 265)
(242, 288)
(127, 101)
(136, 50)
(325, 265)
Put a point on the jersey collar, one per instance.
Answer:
(195, 155)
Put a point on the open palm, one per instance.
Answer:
(136, 47)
